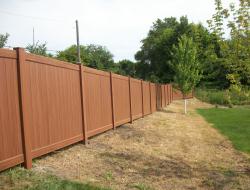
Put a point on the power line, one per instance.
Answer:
(32, 17)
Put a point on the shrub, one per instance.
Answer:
(232, 96)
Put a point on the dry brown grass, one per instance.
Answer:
(165, 150)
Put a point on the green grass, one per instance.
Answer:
(231, 122)
(19, 178)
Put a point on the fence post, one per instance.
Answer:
(84, 117)
(112, 99)
(172, 94)
(166, 87)
(150, 97)
(26, 136)
(168, 94)
(142, 98)
(130, 100)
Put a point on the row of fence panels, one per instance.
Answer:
(46, 104)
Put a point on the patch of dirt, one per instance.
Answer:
(165, 150)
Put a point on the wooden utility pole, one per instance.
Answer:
(33, 37)
(78, 44)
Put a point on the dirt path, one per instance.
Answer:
(166, 150)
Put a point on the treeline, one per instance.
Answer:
(225, 61)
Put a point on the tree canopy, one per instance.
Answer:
(95, 56)
(3, 39)
(186, 65)
(155, 54)
(38, 49)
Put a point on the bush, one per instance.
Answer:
(232, 96)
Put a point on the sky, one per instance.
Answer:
(120, 25)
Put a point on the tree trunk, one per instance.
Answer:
(185, 106)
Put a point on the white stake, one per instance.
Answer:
(185, 106)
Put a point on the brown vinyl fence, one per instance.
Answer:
(46, 104)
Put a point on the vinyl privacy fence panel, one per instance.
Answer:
(121, 99)
(136, 98)
(146, 98)
(98, 101)
(153, 96)
(163, 98)
(52, 104)
(11, 150)
(167, 94)
(46, 104)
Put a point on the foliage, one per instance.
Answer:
(94, 56)
(234, 123)
(155, 55)
(235, 51)
(19, 178)
(186, 65)
(38, 49)
(126, 67)
(232, 96)
(3, 39)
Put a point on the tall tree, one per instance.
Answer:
(235, 51)
(155, 53)
(3, 39)
(186, 66)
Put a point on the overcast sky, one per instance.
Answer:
(119, 25)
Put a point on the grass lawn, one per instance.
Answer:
(233, 123)
(19, 178)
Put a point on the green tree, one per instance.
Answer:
(186, 66)
(3, 39)
(126, 67)
(234, 52)
(38, 49)
(155, 53)
(94, 56)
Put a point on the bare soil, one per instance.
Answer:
(165, 150)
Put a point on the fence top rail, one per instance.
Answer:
(95, 71)
(120, 77)
(135, 80)
(50, 61)
(6, 53)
